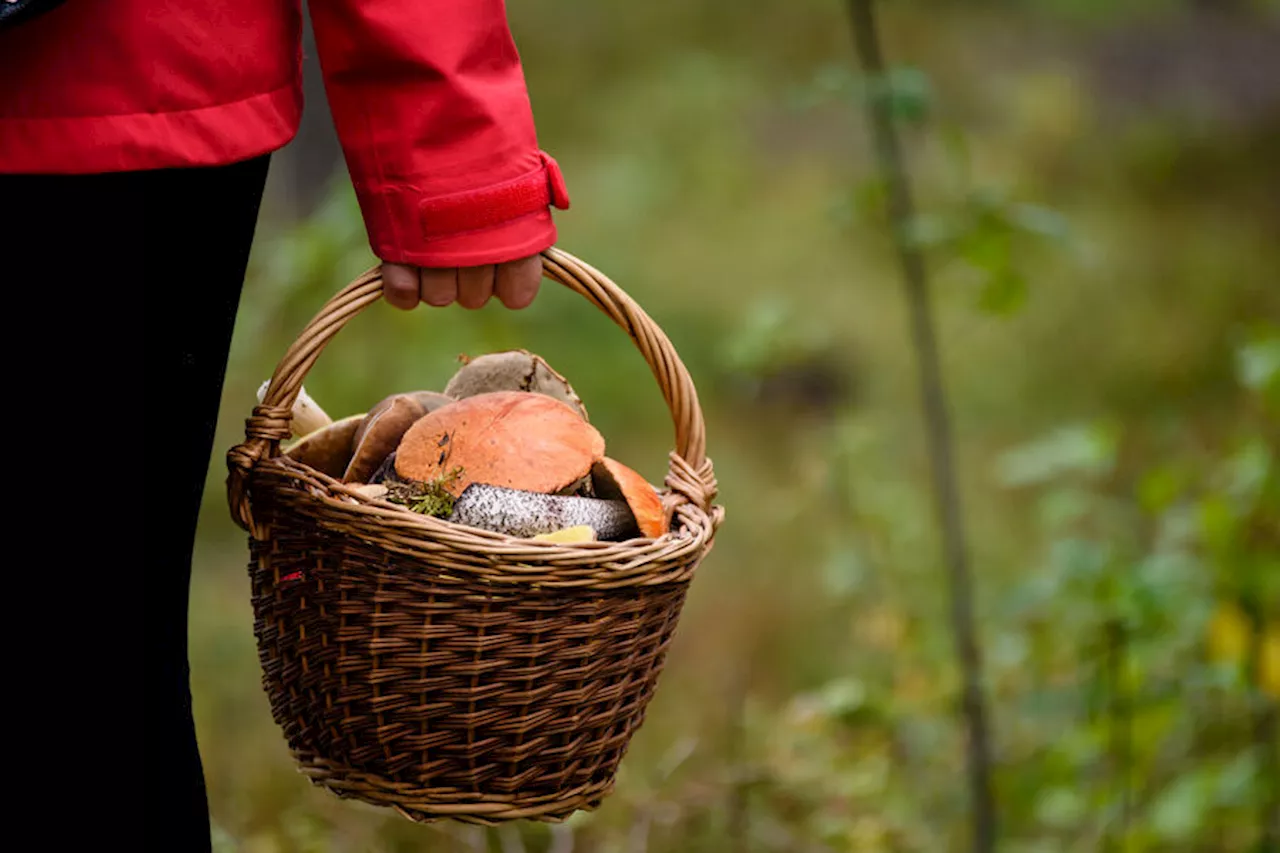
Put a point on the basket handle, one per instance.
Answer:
(689, 478)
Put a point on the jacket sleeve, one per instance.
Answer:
(431, 108)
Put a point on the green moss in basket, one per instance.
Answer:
(430, 498)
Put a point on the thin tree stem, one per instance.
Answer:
(1265, 737)
(737, 813)
(947, 498)
(1121, 728)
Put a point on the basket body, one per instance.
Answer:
(403, 681)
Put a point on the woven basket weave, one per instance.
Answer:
(450, 672)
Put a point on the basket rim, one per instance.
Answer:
(690, 475)
(493, 557)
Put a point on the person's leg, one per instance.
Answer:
(194, 272)
(175, 242)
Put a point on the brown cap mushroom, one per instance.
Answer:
(430, 400)
(513, 439)
(614, 481)
(514, 370)
(328, 449)
(379, 434)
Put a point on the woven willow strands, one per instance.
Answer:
(450, 672)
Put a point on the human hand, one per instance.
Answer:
(515, 283)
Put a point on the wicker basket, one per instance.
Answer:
(450, 672)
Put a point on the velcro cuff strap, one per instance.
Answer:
(476, 210)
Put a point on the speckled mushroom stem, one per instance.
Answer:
(528, 514)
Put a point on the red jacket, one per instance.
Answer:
(428, 98)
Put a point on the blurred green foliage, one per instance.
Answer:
(1106, 284)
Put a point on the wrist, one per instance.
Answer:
(492, 224)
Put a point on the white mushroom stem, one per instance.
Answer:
(307, 416)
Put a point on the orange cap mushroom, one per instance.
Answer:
(615, 481)
(513, 439)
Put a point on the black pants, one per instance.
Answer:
(181, 237)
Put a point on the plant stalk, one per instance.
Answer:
(946, 494)
(1121, 729)
(1266, 734)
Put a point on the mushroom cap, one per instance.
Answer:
(430, 400)
(513, 370)
(328, 449)
(513, 439)
(613, 480)
(379, 434)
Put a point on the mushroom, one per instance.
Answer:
(614, 481)
(430, 400)
(569, 535)
(307, 416)
(514, 370)
(372, 491)
(328, 449)
(383, 428)
(528, 514)
(504, 438)
(386, 472)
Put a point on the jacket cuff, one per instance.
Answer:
(501, 222)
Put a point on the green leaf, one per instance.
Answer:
(1088, 449)
(1062, 507)
(847, 701)
(834, 79)
(1080, 560)
(870, 198)
(927, 230)
(989, 202)
(1152, 722)
(986, 247)
(1160, 593)
(956, 144)
(223, 841)
(1060, 808)
(1160, 487)
(1009, 650)
(911, 93)
(1248, 470)
(1219, 524)
(1181, 808)
(906, 89)
(1178, 526)
(1041, 221)
(1238, 780)
(844, 571)
(1004, 292)
(762, 335)
(1258, 364)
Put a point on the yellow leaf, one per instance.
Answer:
(882, 627)
(1269, 665)
(569, 535)
(1228, 634)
